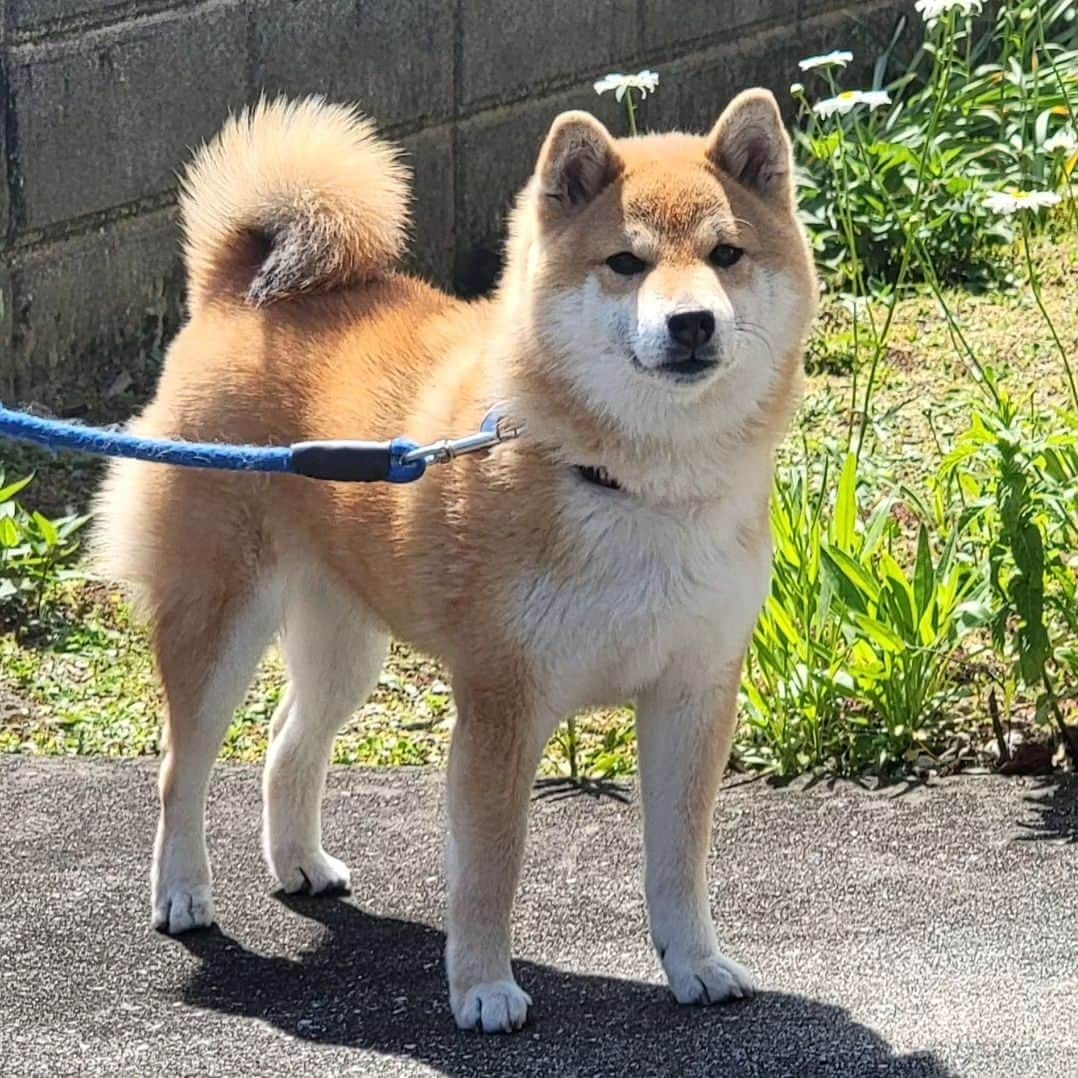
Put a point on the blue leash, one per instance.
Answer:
(396, 461)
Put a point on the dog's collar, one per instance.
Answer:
(494, 422)
(600, 477)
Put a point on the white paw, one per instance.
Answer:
(493, 1007)
(314, 873)
(179, 909)
(708, 980)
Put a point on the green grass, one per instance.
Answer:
(80, 679)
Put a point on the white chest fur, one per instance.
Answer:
(639, 585)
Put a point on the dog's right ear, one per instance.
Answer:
(576, 163)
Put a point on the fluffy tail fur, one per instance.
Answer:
(292, 197)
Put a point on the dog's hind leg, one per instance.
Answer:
(207, 651)
(333, 650)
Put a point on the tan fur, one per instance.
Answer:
(306, 183)
(493, 564)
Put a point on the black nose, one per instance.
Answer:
(691, 329)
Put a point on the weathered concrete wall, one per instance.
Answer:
(103, 99)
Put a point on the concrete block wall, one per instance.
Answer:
(102, 101)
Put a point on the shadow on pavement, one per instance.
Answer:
(1055, 807)
(558, 789)
(377, 984)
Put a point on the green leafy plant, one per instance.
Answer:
(34, 550)
(595, 751)
(795, 669)
(850, 663)
(970, 114)
(1020, 483)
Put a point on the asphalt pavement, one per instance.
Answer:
(913, 930)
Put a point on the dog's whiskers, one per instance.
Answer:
(756, 332)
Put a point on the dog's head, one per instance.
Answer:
(665, 278)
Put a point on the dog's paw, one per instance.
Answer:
(493, 1007)
(180, 909)
(713, 979)
(311, 873)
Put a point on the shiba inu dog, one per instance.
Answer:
(647, 335)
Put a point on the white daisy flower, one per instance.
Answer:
(1064, 139)
(850, 99)
(644, 82)
(796, 89)
(838, 58)
(1013, 201)
(931, 10)
(875, 98)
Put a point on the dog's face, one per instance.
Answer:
(666, 277)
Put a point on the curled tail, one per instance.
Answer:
(292, 197)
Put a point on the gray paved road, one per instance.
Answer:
(926, 932)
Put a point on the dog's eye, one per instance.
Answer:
(725, 255)
(626, 263)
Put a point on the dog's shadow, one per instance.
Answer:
(377, 983)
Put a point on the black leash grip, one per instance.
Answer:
(346, 462)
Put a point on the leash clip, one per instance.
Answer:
(494, 430)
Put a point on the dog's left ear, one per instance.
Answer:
(750, 144)
(576, 163)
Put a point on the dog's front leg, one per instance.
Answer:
(684, 731)
(497, 742)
